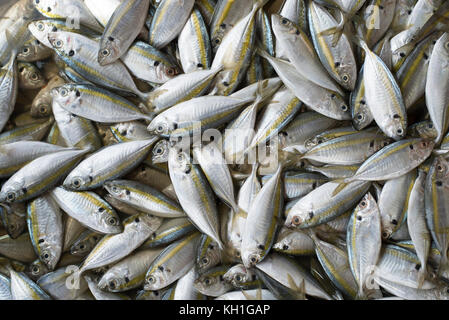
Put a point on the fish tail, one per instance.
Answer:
(422, 274)
(337, 31)
(444, 264)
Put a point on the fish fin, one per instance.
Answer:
(300, 291)
(444, 264)
(335, 32)
(422, 274)
(342, 184)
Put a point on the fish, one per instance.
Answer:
(150, 64)
(436, 206)
(437, 80)
(364, 241)
(39, 175)
(172, 263)
(194, 44)
(129, 273)
(30, 77)
(122, 29)
(144, 198)
(45, 226)
(262, 222)
(89, 209)
(96, 169)
(114, 247)
(168, 21)
(194, 193)
(83, 101)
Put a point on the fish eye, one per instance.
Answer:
(112, 284)
(333, 96)
(57, 43)
(34, 76)
(40, 26)
(207, 281)
(171, 72)
(284, 21)
(160, 128)
(400, 131)
(344, 108)
(11, 196)
(151, 279)
(205, 260)
(360, 117)
(159, 150)
(25, 50)
(12, 227)
(112, 221)
(105, 52)
(359, 218)
(447, 45)
(42, 108)
(45, 256)
(363, 204)
(35, 270)
(63, 92)
(424, 144)
(217, 41)
(82, 246)
(440, 168)
(76, 183)
(345, 78)
(238, 278)
(296, 220)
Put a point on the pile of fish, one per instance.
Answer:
(222, 149)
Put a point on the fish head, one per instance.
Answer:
(36, 269)
(31, 51)
(209, 284)
(112, 281)
(83, 246)
(364, 210)
(441, 170)
(209, 257)
(41, 106)
(283, 244)
(143, 222)
(40, 30)
(361, 119)
(160, 126)
(378, 144)
(156, 279)
(296, 217)
(334, 102)
(29, 76)
(46, 7)
(283, 27)
(251, 257)
(12, 192)
(109, 51)
(76, 181)
(67, 96)
(420, 149)
(117, 190)
(109, 220)
(64, 43)
(237, 275)
(160, 152)
(179, 161)
(48, 255)
(395, 127)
